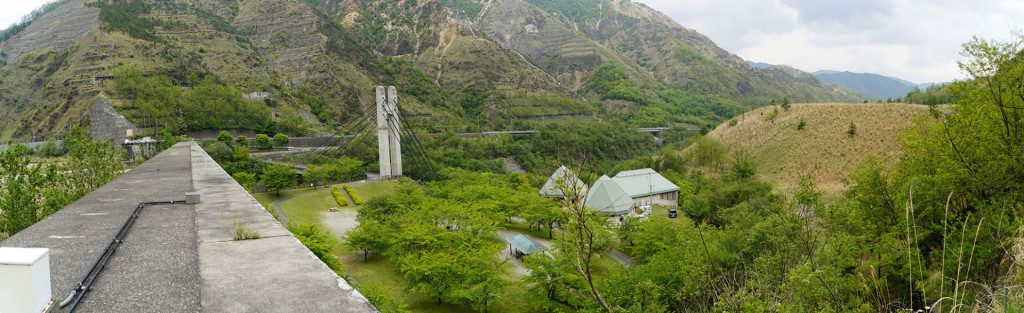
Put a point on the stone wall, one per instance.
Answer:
(107, 123)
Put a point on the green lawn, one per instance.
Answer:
(267, 198)
(308, 203)
(306, 208)
(524, 228)
(372, 190)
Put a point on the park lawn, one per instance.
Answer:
(524, 228)
(267, 199)
(306, 208)
(375, 189)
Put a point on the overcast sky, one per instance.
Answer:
(916, 40)
(12, 10)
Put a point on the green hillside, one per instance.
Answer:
(460, 65)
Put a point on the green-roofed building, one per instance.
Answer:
(520, 245)
(647, 187)
(607, 197)
(562, 178)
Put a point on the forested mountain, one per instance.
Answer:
(459, 65)
(875, 86)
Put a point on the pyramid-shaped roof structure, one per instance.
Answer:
(609, 198)
(562, 177)
(644, 182)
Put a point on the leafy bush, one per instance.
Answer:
(352, 194)
(225, 137)
(801, 125)
(30, 190)
(52, 149)
(320, 242)
(262, 142)
(219, 151)
(338, 197)
(281, 140)
(247, 180)
(241, 141)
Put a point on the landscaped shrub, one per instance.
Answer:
(320, 242)
(262, 142)
(338, 197)
(352, 194)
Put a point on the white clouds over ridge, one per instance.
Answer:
(916, 40)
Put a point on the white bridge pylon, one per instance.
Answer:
(389, 144)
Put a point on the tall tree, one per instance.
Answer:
(278, 176)
(585, 234)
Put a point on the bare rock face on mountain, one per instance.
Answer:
(58, 30)
(459, 64)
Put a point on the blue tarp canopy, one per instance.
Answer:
(525, 244)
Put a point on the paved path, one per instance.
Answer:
(624, 259)
(277, 206)
(517, 264)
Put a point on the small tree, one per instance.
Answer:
(785, 104)
(281, 140)
(277, 177)
(241, 141)
(773, 103)
(852, 131)
(52, 149)
(369, 236)
(262, 141)
(246, 179)
(744, 169)
(772, 115)
(225, 137)
(801, 125)
(219, 151)
(315, 174)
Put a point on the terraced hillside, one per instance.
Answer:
(460, 64)
(823, 149)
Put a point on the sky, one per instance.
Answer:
(916, 40)
(11, 11)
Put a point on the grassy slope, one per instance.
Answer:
(823, 149)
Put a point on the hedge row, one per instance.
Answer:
(352, 194)
(340, 198)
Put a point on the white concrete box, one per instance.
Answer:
(24, 280)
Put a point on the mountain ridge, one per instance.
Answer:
(463, 64)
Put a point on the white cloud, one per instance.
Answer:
(14, 10)
(917, 40)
